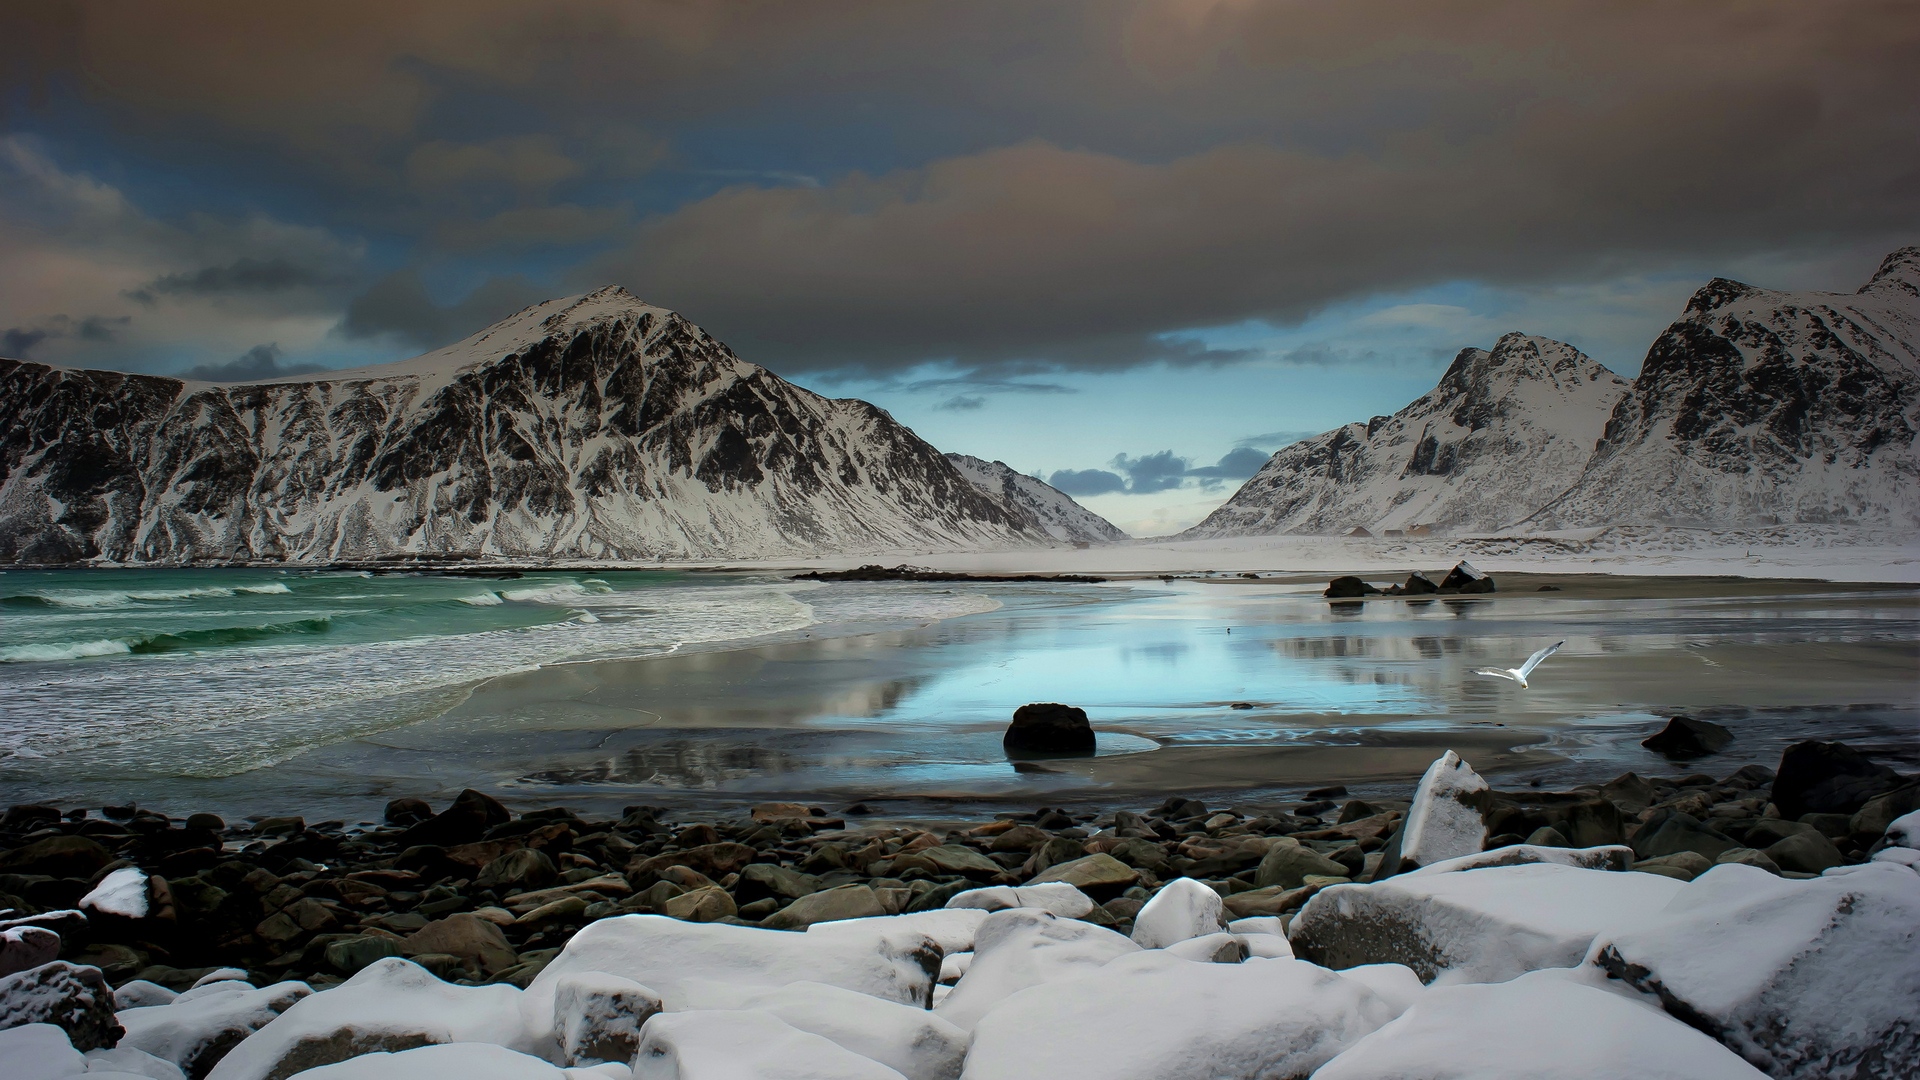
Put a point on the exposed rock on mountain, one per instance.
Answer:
(594, 427)
(1503, 433)
(1051, 509)
(1763, 408)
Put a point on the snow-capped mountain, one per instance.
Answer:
(1766, 408)
(594, 427)
(1504, 432)
(1051, 509)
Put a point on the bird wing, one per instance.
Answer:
(1508, 675)
(1533, 661)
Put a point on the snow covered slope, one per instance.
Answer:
(1503, 433)
(594, 427)
(1052, 510)
(1762, 408)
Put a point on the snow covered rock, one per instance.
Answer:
(1444, 822)
(1023, 947)
(26, 947)
(39, 1052)
(1051, 509)
(1182, 909)
(122, 892)
(1485, 925)
(1397, 984)
(1220, 948)
(745, 1046)
(1150, 1016)
(593, 427)
(451, 1061)
(72, 997)
(199, 1027)
(597, 1017)
(1056, 896)
(140, 993)
(1803, 978)
(1547, 1025)
(1905, 831)
(1608, 857)
(1766, 408)
(952, 929)
(389, 1005)
(914, 1042)
(1505, 431)
(125, 1061)
(897, 964)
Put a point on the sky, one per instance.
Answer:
(1130, 245)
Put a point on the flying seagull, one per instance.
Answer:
(1520, 673)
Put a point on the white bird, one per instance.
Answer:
(1520, 673)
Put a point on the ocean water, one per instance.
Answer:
(212, 673)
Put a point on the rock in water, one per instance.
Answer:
(1444, 822)
(597, 1017)
(1150, 1016)
(1828, 778)
(1466, 579)
(1049, 728)
(1483, 925)
(73, 998)
(1541, 1026)
(1805, 979)
(679, 1045)
(1348, 588)
(1684, 737)
(1182, 909)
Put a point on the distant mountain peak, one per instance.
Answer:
(1052, 510)
(1898, 273)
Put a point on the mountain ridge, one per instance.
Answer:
(1053, 510)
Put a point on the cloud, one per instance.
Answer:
(1152, 472)
(962, 403)
(244, 275)
(1273, 440)
(1238, 464)
(1084, 482)
(399, 307)
(257, 363)
(19, 342)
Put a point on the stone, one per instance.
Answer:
(354, 953)
(390, 1006)
(464, 1060)
(517, 871)
(1746, 856)
(57, 856)
(1057, 897)
(1153, 1016)
(714, 861)
(126, 1063)
(1807, 853)
(1483, 925)
(885, 958)
(1419, 584)
(1547, 836)
(1049, 728)
(140, 993)
(762, 880)
(206, 822)
(74, 998)
(39, 1052)
(707, 904)
(828, 905)
(1669, 831)
(26, 947)
(478, 943)
(199, 1028)
(1182, 909)
(1828, 778)
(1684, 737)
(954, 859)
(1466, 579)
(1684, 865)
(464, 822)
(1805, 979)
(748, 1043)
(1348, 587)
(1629, 792)
(1882, 810)
(1546, 1025)
(1021, 948)
(1287, 866)
(1216, 948)
(597, 1017)
(1610, 857)
(1101, 877)
(1445, 820)
(1594, 823)
(1270, 901)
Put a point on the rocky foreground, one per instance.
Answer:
(1756, 924)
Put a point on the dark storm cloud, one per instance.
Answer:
(19, 342)
(399, 307)
(1007, 184)
(1083, 482)
(1161, 471)
(259, 362)
(962, 403)
(243, 275)
(1238, 464)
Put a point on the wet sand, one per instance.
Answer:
(1360, 694)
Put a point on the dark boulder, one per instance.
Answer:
(57, 856)
(1668, 832)
(1348, 587)
(466, 821)
(1828, 778)
(1049, 728)
(1464, 578)
(1419, 584)
(408, 810)
(72, 997)
(1684, 737)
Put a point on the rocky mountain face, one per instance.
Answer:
(1505, 431)
(1053, 511)
(1766, 408)
(595, 427)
